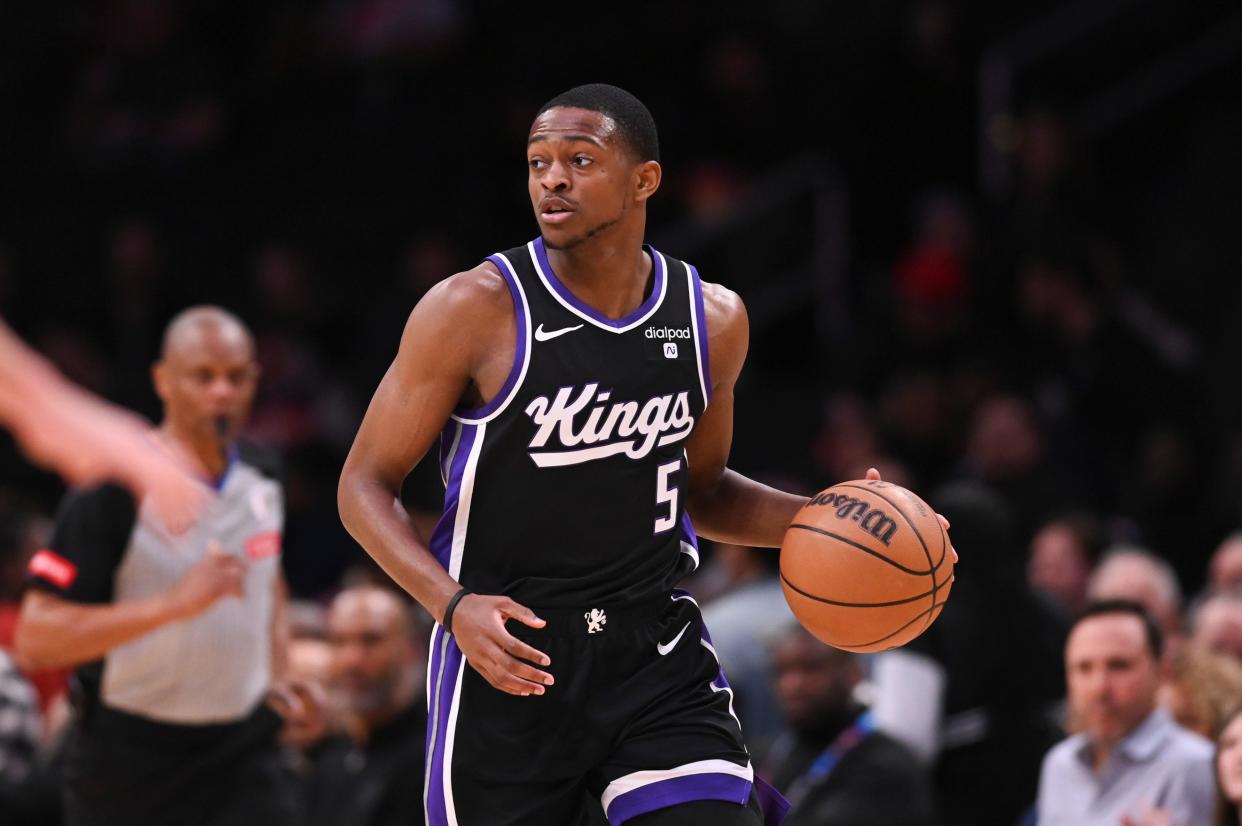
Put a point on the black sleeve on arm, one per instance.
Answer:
(92, 530)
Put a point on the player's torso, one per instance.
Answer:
(569, 486)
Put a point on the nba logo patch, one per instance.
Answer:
(670, 349)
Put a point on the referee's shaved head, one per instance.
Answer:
(188, 327)
(206, 376)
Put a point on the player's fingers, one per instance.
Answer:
(519, 669)
(521, 613)
(499, 680)
(873, 475)
(944, 523)
(516, 648)
(954, 550)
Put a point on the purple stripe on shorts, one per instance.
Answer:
(771, 802)
(519, 352)
(437, 812)
(564, 292)
(441, 544)
(433, 679)
(665, 793)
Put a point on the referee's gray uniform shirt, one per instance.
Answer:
(1158, 764)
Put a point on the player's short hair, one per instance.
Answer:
(1125, 607)
(634, 122)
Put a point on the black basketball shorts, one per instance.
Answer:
(640, 718)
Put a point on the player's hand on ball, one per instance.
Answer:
(874, 475)
(502, 659)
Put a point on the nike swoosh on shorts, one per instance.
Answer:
(665, 647)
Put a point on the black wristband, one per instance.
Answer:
(452, 606)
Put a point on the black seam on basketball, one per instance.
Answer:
(926, 552)
(862, 548)
(785, 579)
(913, 620)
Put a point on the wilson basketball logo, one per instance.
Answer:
(872, 520)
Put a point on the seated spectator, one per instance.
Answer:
(1130, 754)
(1202, 688)
(1225, 568)
(1218, 625)
(1062, 554)
(1229, 772)
(375, 778)
(835, 768)
(1138, 575)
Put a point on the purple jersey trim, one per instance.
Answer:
(687, 530)
(702, 317)
(441, 544)
(657, 290)
(519, 352)
(437, 810)
(675, 790)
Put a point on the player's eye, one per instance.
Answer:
(582, 160)
(537, 163)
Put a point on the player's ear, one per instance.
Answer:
(647, 177)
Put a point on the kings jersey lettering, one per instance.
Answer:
(580, 425)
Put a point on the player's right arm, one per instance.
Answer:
(68, 616)
(457, 348)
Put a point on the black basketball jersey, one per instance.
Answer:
(568, 488)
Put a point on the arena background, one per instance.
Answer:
(977, 240)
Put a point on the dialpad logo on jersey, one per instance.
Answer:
(668, 342)
(667, 333)
(586, 428)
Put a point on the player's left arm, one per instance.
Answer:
(725, 505)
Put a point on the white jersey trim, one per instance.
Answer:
(465, 495)
(695, 321)
(524, 345)
(636, 780)
(543, 276)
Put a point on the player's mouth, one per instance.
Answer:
(555, 210)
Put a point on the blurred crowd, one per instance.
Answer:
(1053, 361)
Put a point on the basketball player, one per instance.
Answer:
(88, 441)
(174, 637)
(581, 390)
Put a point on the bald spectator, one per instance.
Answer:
(1129, 754)
(1225, 569)
(1218, 625)
(373, 778)
(1138, 575)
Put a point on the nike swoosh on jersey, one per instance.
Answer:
(665, 647)
(544, 335)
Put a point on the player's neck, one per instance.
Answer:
(610, 272)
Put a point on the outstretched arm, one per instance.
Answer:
(448, 352)
(725, 505)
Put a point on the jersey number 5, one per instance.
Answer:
(666, 494)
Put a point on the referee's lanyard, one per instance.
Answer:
(827, 761)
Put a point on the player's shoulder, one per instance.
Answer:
(477, 295)
(723, 308)
(263, 459)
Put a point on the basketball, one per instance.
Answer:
(866, 566)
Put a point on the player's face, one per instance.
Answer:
(581, 176)
(1229, 760)
(207, 382)
(1112, 676)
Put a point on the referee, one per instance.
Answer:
(174, 636)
